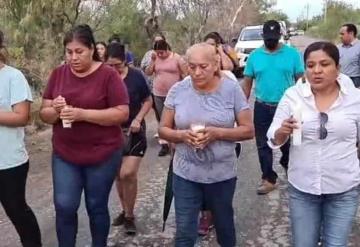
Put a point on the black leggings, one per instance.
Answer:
(12, 198)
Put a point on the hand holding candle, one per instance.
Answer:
(198, 128)
(65, 122)
(297, 115)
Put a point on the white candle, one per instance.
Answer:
(197, 127)
(297, 115)
(66, 123)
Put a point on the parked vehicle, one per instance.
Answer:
(300, 32)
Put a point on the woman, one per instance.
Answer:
(86, 102)
(214, 39)
(205, 161)
(226, 65)
(145, 62)
(324, 173)
(134, 129)
(101, 50)
(168, 68)
(15, 99)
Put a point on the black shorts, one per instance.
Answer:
(135, 144)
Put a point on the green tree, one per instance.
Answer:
(277, 15)
(337, 13)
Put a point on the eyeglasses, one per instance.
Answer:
(323, 120)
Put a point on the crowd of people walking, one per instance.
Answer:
(97, 102)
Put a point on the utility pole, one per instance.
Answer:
(325, 10)
(307, 15)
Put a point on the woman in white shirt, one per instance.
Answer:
(324, 173)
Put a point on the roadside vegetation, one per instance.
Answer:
(327, 25)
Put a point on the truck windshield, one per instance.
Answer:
(251, 34)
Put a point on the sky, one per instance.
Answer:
(297, 8)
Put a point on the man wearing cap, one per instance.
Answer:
(350, 53)
(275, 67)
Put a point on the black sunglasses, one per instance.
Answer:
(323, 120)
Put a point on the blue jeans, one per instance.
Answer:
(329, 216)
(189, 197)
(69, 182)
(263, 116)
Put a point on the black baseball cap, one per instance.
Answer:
(271, 30)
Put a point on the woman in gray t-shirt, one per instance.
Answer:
(205, 160)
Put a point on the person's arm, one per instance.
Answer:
(182, 67)
(105, 117)
(282, 134)
(48, 114)
(151, 68)
(20, 99)
(282, 124)
(145, 62)
(247, 86)
(116, 113)
(50, 109)
(168, 133)
(226, 62)
(243, 131)
(145, 108)
(18, 117)
(167, 129)
(249, 75)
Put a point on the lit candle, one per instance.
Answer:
(66, 123)
(297, 115)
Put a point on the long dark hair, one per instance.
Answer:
(161, 45)
(85, 36)
(215, 36)
(101, 43)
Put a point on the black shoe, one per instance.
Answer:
(165, 150)
(129, 225)
(118, 221)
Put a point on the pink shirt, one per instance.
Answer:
(167, 73)
(87, 143)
